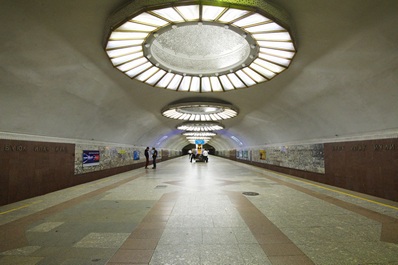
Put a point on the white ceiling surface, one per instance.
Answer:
(56, 79)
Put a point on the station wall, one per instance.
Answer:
(366, 166)
(33, 168)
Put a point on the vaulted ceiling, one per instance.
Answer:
(56, 79)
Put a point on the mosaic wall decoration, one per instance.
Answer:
(109, 157)
(308, 157)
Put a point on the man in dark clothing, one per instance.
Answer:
(154, 155)
(193, 156)
(146, 157)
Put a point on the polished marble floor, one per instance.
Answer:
(197, 213)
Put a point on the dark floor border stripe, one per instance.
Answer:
(14, 232)
(389, 231)
(275, 244)
(140, 245)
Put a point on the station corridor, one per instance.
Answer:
(221, 212)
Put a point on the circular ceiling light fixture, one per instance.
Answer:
(200, 126)
(198, 138)
(200, 47)
(200, 111)
(199, 134)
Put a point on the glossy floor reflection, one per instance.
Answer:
(196, 213)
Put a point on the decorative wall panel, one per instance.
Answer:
(308, 157)
(111, 156)
(29, 169)
(366, 166)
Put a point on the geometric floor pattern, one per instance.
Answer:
(197, 213)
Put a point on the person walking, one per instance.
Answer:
(154, 155)
(189, 154)
(146, 153)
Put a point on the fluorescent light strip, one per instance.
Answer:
(132, 26)
(254, 75)
(138, 70)
(276, 45)
(199, 134)
(278, 53)
(176, 116)
(199, 127)
(275, 36)
(149, 19)
(198, 137)
(211, 12)
(130, 65)
(148, 73)
(195, 84)
(230, 111)
(236, 81)
(156, 77)
(164, 82)
(124, 59)
(251, 20)
(169, 14)
(170, 113)
(116, 35)
(185, 84)
(226, 83)
(232, 14)
(262, 71)
(124, 51)
(277, 60)
(184, 116)
(215, 84)
(230, 115)
(223, 116)
(218, 117)
(206, 87)
(175, 82)
(264, 28)
(270, 66)
(189, 12)
(123, 43)
(213, 117)
(245, 78)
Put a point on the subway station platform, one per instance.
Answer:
(221, 212)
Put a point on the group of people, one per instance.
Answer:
(193, 155)
(154, 154)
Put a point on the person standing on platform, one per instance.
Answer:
(146, 153)
(189, 154)
(205, 155)
(193, 155)
(154, 155)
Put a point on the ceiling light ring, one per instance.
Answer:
(208, 109)
(267, 10)
(199, 134)
(198, 126)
